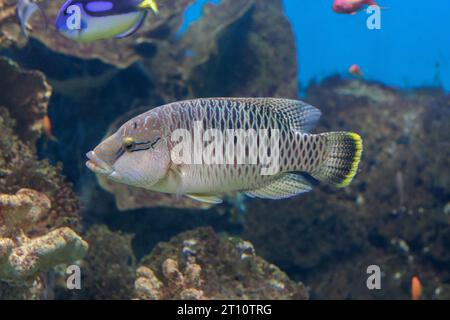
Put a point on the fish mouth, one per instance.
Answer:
(97, 165)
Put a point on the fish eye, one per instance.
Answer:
(128, 143)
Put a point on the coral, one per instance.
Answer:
(199, 264)
(20, 169)
(27, 99)
(109, 267)
(232, 39)
(8, 34)
(391, 215)
(23, 261)
(182, 286)
(20, 211)
(37, 206)
(21, 114)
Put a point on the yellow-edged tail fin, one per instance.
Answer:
(149, 4)
(344, 151)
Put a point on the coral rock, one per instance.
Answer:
(20, 211)
(27, 99)
(213, 268)
(23, 261)
(109, 266)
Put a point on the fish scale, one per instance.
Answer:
(150, 161)
(244, 114)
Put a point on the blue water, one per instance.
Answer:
(411, 49)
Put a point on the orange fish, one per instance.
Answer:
(47, 128)
(416, 288)
(355, 70)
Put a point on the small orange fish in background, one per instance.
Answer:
(355, 70)
(416, 288)
(47, 128)
(351, 6)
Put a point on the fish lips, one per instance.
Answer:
(97, 165)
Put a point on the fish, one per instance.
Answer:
(416, 288)
(355, 70)
(176, 149)
(25, 9)
(47, 128)
(351, 6)
(91, 20)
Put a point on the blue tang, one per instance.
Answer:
(90, 20)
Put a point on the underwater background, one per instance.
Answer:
(60, 98)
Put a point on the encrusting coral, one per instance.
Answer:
(199, 264)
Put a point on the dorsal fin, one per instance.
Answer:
(287, 186)
(299, 115)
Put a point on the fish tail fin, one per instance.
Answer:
(149, 4)
(343, 151)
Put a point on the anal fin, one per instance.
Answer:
(287, 186)
(206, 198)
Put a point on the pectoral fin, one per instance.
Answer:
(206, 198)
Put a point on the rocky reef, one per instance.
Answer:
(200, 264)
(392, 215)
(38, 207)
(194, 265)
